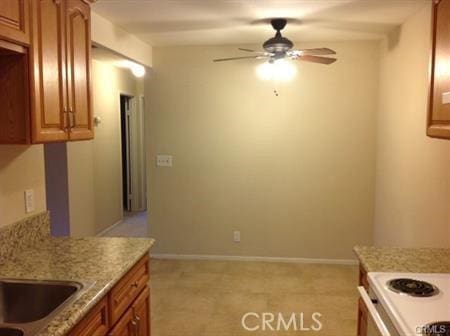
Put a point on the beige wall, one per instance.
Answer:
(294, 173)
(82, 202)
(413, 171)
(21, 167)
(95, 171)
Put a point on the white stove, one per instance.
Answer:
(411, 301)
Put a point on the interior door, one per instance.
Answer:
(78, 23)
(49, 73)
(125, 115)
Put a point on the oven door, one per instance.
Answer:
(378, 322)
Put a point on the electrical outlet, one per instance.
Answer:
(164, 160)
(446, 98)
(237, 236)
(29, 200)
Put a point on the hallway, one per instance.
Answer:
(134, 224)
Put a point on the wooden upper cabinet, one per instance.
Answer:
(48, 74)
(78, 30)
(14, 86)
(15, 20)
(439, 109)
(45, 76)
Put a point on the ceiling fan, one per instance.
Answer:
(279, 47)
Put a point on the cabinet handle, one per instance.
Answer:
(67, 121)
(71, 118)
(134, 325)
(135, 284)
(138, 325)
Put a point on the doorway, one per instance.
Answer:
(125, 106)
(133, 155)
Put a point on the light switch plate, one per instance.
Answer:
(237, 236)
(29, 200)
(446, 98)
(164, 160)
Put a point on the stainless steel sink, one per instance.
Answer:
(10, 332)
(27, 306)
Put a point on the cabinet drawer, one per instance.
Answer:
(96, 323)
(127, 290)
(15, 20)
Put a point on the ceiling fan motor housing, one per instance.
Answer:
(278, 45)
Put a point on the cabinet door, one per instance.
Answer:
(78, 29)
(48, 72)
(141, 310)
(15, 20)
(439, 114)
(95, 323)
(126, 325)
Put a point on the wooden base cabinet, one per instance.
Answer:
(125, 311)
(135, 321)
(54, 53)
(362, 309)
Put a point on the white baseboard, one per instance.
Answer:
(109, 228)
(251, 258)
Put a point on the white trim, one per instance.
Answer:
(100, 234)
(254, 258)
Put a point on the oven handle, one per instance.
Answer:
(373, 312)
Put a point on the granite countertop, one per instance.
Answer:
(392, 259)
(103, 260)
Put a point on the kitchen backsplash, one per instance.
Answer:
(23, 233)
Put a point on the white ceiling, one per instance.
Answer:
(214, 22)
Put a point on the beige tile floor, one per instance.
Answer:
(209, 298)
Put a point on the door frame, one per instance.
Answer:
(136, 159)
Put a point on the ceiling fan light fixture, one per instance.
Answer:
(277, 70)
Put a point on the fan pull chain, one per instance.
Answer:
(275, 91)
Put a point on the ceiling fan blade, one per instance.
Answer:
(316, 51)
(265, 53)
(248, 50)
(317, 59)
(238, 58)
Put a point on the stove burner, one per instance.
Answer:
(437, 329)
(412, 287)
